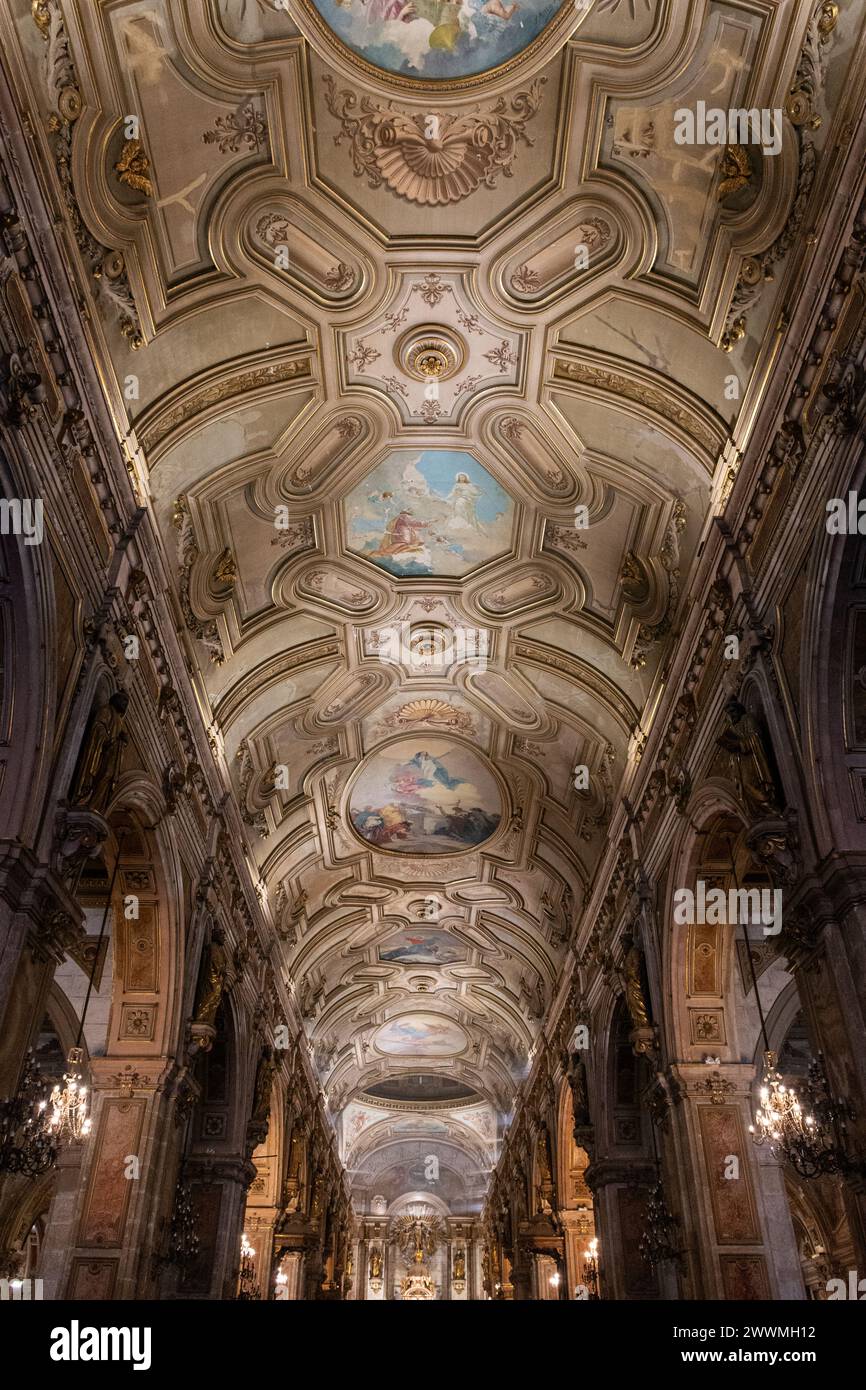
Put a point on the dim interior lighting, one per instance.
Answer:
(554, 1280)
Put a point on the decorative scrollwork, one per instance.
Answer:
(396, 148)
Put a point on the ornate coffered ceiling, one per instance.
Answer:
(381, 317)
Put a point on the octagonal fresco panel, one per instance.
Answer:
(425, 796)
(420, 1035)
(438, 40)
(429, 512)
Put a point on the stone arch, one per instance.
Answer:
(736, 1234)
(697, 958)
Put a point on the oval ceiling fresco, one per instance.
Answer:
(420, 1035)
(425, 796)
(438, 40)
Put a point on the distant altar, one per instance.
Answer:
(416, 1286)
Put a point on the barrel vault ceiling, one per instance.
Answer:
(269, 261)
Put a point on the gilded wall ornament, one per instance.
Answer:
(801, 109)
(255, 379)
(187, 554)
(132, 168)
(655, 398)
(432, 165)
(105, 265)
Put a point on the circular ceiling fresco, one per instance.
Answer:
(425, 796)
(438, 40)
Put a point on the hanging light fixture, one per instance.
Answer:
(183, 1241)
(69, 1119)
(590, 1268)
(27, 1142)
(248, 1284)
(659, 1241)
(811, 1136)
(813, 1140)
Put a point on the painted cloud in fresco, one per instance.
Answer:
(437, 39)
(435, 512)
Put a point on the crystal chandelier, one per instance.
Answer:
(590, 1268)
(813, 1141)
(69, 1120)
(779, 1119)
(27, 1142)
(248, 1284)
(183, 1242)
(659, 1240)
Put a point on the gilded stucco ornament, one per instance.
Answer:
(106, 266)
(433, 164)
(801, 105)
(132, 168)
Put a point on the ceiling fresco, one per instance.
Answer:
(433, 416)
(437, 512)
(436, 38)
(427, 796)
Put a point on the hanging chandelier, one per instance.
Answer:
(248, 1284)
(779, 1118)
(69, 1121)
(659, 1241)
(812, 1138)
(811, 1135)
(27, 1142)
(183, 1241)
(590, 1268)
